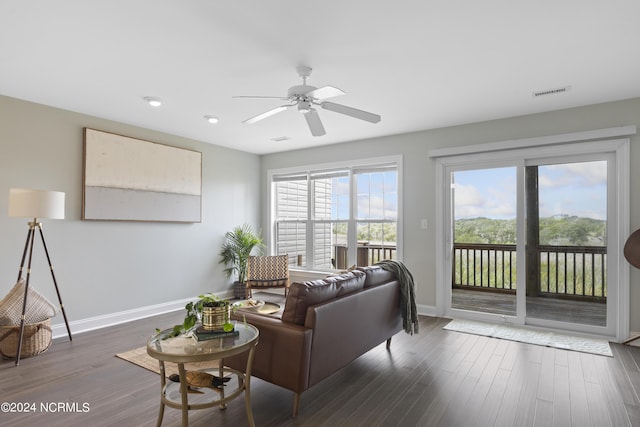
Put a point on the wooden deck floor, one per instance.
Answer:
(434, 378)
(589, 313)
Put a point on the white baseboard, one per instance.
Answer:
(59, 330)
(427, 310)
(636, 342)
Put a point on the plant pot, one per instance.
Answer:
(214, 317)
(239, 290)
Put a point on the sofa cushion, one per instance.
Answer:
(304, 294)
(348, 282)
(375, 275)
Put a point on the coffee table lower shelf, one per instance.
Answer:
(204, 397)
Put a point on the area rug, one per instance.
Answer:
(140, 357)
(531, 336)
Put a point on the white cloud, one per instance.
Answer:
(583, 174)
(571, 189)
(469, 201)
(374, 207)
(468, 195)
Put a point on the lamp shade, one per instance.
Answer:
(36, 203)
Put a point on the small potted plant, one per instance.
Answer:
(210, 310)
(215, 312)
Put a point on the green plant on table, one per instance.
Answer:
(194, 314)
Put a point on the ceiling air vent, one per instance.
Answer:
(554, 91)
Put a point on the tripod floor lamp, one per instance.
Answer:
(35, 204)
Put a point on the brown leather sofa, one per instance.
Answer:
(325, 325)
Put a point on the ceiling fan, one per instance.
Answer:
(305, 97)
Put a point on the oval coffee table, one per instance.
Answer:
(181, 350)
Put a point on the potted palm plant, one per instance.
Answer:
(238, 245)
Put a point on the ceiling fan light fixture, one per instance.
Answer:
(153, 101)
(211, 119)
(304, 107)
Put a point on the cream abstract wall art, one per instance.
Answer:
(128, 179)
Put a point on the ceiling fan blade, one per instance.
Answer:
(315, 125)
(266, 114)
(325, 92)
(350, 111)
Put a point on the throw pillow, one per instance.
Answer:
(348, 282)
(376, 275)
(302, 295)
(39, 308)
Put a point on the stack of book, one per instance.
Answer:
(203, 334)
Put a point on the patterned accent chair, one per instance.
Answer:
(271, 271)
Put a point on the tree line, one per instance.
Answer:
(559, 230)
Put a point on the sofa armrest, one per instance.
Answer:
(283, 353)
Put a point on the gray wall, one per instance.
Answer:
(419, 173)
(105, 267)
(125, 265)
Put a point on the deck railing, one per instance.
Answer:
(481, 266)
(571, 271)
(574, 270)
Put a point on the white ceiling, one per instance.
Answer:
(420, 64)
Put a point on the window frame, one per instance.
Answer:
(351, 165)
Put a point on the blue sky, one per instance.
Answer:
(568, 189)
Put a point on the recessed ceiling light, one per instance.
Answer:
(211, 119)
(280, 138)
(153, 101)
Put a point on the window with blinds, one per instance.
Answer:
(336, 218)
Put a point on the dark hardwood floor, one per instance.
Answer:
(436, 377)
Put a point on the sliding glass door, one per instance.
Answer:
(484, 263)
(566, 233)
(531, 241)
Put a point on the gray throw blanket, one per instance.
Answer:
(407, 294)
